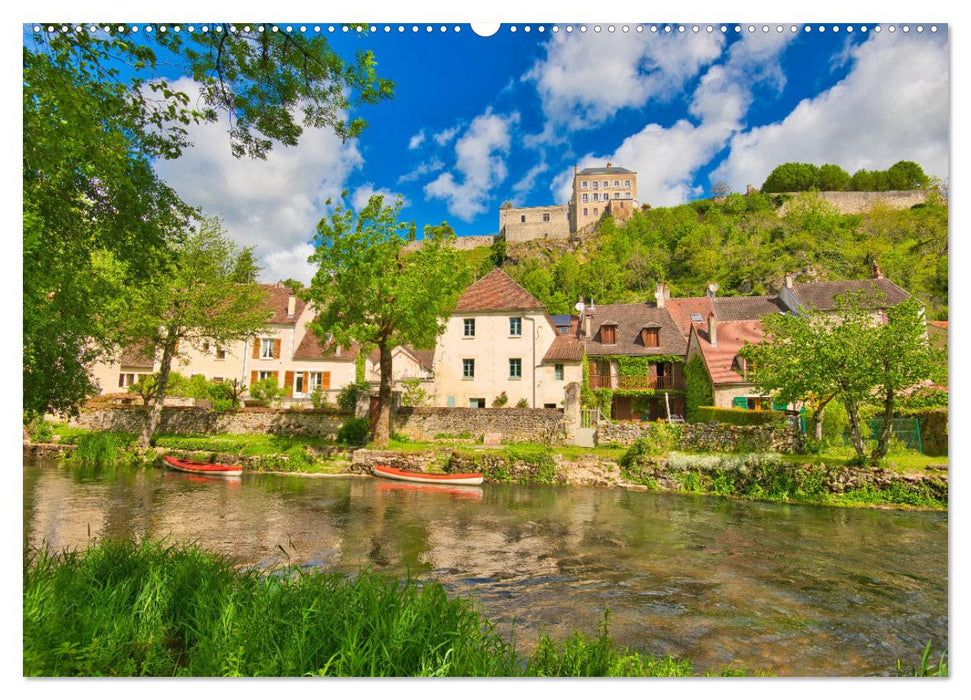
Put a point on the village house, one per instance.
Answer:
(496, 342)
(407, 363)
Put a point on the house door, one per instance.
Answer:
(622, 408)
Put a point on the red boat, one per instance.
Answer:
(470, 492)
(422, 478)
(205, 468)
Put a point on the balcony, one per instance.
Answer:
(615, 381)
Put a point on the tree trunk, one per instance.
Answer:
(158, 400)
(382, 426)
(883, 443)
(856, 437)
(818, 416)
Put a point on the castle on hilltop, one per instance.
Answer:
(596, 192)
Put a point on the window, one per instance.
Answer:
(516, 326)
(606, 184)
(696, 318)
(616, 195)
(626, 183)
(476, 403)
(651, 337)
(126, 380)
(595, 211)
(586, 197)
(585, 211)
(469, 326)
(265, 374)
(450, 402)
(217, 380)
(220, 353)
(628, 195)
(515, 368)
(616, 183)
(546, 217)
(558, 372)
(205, 346)
(595, 185)
(522, 219)
(608, 334)
(549, 405)
(298, 387)
(317, 380)
(266, 348)
(584, 184)
(468, 369)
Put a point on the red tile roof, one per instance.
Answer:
(681, 309)
(425, 358)
(566, 347)
(497, 291)
(720, 359)
(311, 349)
(277, 300)
(138, 356)
(939, 324)
(630, 319)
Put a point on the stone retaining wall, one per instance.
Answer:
(710, 437)
(323, 423)
(542, 425)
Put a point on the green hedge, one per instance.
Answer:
(737, 416)
(933, 428)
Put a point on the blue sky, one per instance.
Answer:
(479, 120)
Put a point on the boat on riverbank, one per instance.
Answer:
(422, 478)
(204, 468)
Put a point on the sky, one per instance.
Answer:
(478, 121)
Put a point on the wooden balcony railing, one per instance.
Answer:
(615, 381)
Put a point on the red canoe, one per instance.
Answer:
(422, 478)
(193, 467)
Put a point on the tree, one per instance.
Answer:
(907, 175)
(246, 270)
(193, 299)
(791, 177)
(852, 356)
(832, 178)
(720, 189)
(96, 114)
(369, 290)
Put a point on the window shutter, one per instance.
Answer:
(276, 348)
(121, 380)
(288, 383)
(276, 377)
(256, 348)
(739, 402)
(253, 377)
(324, 381)
(306, 382)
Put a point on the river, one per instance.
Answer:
(785, 589)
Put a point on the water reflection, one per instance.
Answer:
(786, 589)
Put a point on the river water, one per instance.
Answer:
(788, 590)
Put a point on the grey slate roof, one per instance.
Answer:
(729, 309)
(630, 320)
(821, 296)
(612, 170)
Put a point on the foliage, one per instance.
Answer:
(925, 398)
(805, 356)
(501, 400)
(800, 177)
(522, 403)
(40, 430)
(353, 432)
(737, 416)
(347, 397)
(96, 218)
(792, 177)
(225, 395)
(191, 300)
(368, 289)
(266, 391)
(414, 394)
(699, 390)
(928, 666)
(660, 438)
(101, 448)
(319, 398)
(146, 387)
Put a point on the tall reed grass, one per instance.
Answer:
(152, 609)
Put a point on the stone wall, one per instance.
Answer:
(322, 423)
(514, 229)
(709, 437)
(460, 242)
(859, 202)
(543, 425)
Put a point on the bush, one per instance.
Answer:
(933, 428)
(347, 398)
(500, 400)
(661, 438)
(353, 432)
(266, 391)
(699, 390)
(522, 403)
(101, 448)
(738, 416)
(414, 394)
(40, 430)
(319, 398)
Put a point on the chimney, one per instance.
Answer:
(710, 289)
(788, 280)
(586, 325)
(712, 330)
(608, 163)
(877, 272)
(661, 294)
(291, 305)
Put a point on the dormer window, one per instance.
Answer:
(651, 337)
(608, 334)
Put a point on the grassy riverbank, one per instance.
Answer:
(152, 609)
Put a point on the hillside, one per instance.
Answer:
(744, 243)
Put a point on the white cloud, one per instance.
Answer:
(893, 105)
(274, 204)
(585, 79)
(666, 158)
(290, 263)
(528, 181)
(446, 135)
(480, 162)
(422, 169)
(416, 140)
(363, 193)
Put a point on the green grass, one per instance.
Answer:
(150, 609)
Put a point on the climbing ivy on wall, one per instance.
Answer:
(699, 389)
(628, 366)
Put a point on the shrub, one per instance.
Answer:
(660, 438)
(40, 430)
(298, 459)
(500, 400)
(347, 398)
(353, 432)
(925, 398)
(699, 390)
(522, 403)
(413, 394)
(266, 391)
(319, 398)
(101, 448)
(738, 416)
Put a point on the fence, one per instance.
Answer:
(589, 417)
(906, 430)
